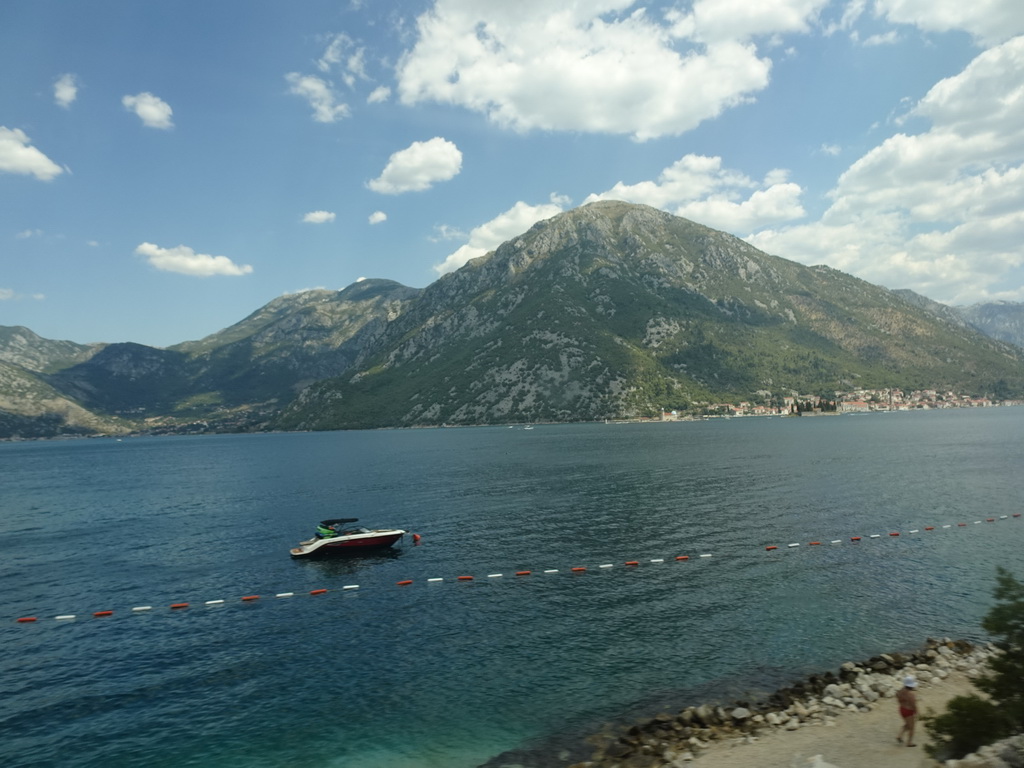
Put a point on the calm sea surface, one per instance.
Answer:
(454, 674)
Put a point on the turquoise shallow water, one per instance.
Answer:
(456, 673)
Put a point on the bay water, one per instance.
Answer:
(496, 670)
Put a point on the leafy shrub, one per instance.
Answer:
(971, 722)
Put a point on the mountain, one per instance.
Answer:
(1003, 320)
(615, 310)
(234, 380)
(20, 346)
(606, 311)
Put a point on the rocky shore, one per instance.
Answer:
(677, 740)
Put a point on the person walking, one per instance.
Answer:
(907, 699)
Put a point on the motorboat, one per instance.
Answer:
(338, 536)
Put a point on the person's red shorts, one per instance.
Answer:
(907, 712)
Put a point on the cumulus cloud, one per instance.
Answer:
(152, 110)
(699, 188)
(378, 217)
(941, 211)
(321, 97)
(418, 167)
(605, 66)
(6, 294)
(516, 220)
(989, 21)
(17, 155)
(318, 217)
(65, 90)
(185, 261)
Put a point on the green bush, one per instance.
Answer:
(971, 722)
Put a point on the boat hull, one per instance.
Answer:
(348, 545)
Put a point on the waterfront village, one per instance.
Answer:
(855, 401)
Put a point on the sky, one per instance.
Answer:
(166, 169)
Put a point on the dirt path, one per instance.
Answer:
(857, 740)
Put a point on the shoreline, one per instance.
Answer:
(837, 719)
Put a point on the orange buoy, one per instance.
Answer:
(990, 519)
(251, 597)
(632, 562)
(174, 605)
(578, 568)
(929, 527)
(894, 534)
(27, 619)
(855, 538)
(522, 573)
(317, 591)
(682, 557)
(814, 544)
(103, 613)
(771, 548)
(1016, 514)
(416, 538)
(404, 583)
(465, 578)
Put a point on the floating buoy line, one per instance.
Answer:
(518, 574)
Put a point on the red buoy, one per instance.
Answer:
(173, 605)
(251, 597)
(317, 591)
(26, 619)
(682, 557)
(416, 538)
(771, 548)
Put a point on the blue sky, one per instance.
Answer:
(168, 168)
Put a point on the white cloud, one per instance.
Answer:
(830, 149)
(152, 110)
(17, 155)
(9, 294)
(65, 90)
(719, 20)
(378, 217)
(320, 95)
(605, 66)
(185, 261)
(698, 188)
(889, 38)
(343, 54)
(25, 234)
(941, 211)
(989, 21)
(318, 217)
(516, 220)
(379, 95)
(418, 167)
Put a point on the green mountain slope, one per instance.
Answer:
(618, 310)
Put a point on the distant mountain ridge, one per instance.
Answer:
(609, 310)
